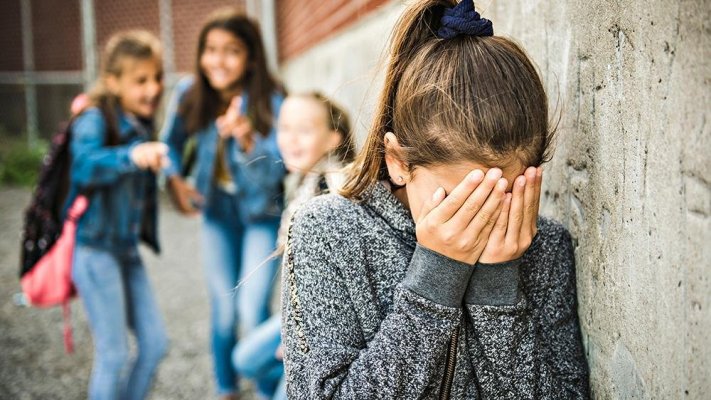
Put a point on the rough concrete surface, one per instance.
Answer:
(33, 364)
(631, 177)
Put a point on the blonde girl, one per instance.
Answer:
(114, 160)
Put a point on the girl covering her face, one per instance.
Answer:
(431, 275)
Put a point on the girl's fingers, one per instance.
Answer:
(234, 108)
(516, 210)
(530, 212)
(488, 213)
(431, 203)
(489, 227)
(236, 104)
(242, 128)
(451, 204)
(498, 232)
(141, 159)
(195, 196)
(539, 184)
(474, 203)
(221, 125)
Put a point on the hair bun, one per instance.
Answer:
(464, 20)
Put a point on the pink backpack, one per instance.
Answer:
(49, 282)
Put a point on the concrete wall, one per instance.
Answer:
(631, 177)
(348, 66)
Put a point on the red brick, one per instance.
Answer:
(56, 30)
(113, 16)
(11, 38)
(304, 23)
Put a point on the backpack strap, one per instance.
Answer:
(68, 336)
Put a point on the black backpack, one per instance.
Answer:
(44, 216)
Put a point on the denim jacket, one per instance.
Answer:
(122, 198)
(257, 175)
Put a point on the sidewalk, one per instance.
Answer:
(33, 364)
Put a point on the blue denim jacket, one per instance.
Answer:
(122, 198)
(257, 175)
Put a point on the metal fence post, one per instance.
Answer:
(166, 37)
(88, 29)
(28, 75)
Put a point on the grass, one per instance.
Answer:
(20, 162)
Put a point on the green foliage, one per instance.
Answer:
(20, 162)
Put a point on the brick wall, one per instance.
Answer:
(113, 16)
(303, 23)
(56, 30)
(11, 38)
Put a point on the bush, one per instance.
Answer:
(20, 163)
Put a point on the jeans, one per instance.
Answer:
(255, 359)
(117, 297)
(235, 253)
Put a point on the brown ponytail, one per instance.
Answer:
(467, 98)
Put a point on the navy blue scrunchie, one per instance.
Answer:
(464, 20)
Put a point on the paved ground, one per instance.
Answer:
(32, 361)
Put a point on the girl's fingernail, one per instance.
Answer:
(521, 181)
(530, 172)
(437, 194)
(539, 171)
(495, 173)
(502, 184)
(476, 175)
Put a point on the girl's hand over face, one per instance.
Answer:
(458, 226)
(233, 124)
(184, 196)
(515, 228)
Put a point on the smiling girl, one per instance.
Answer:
(113, 163)
(230, 107)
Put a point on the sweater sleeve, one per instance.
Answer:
(93, 163)
(327, 355)
(521, 347)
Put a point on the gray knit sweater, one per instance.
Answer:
(369, 314)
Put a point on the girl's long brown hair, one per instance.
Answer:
(476, 99)
(203, 103)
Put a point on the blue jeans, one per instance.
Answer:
(255, 359)
(117, 297)
(235, 253)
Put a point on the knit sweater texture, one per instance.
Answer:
(370, 314)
